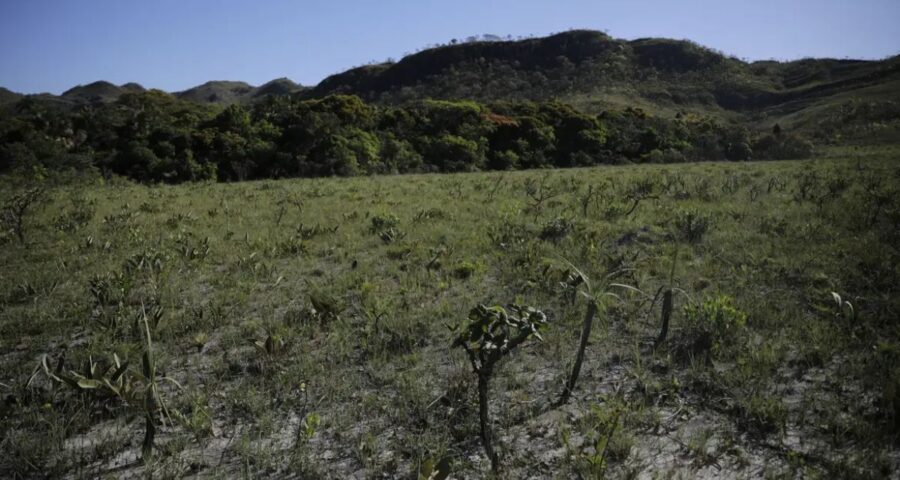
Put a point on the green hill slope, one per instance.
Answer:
(594, 71)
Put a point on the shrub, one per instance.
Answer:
(692, 225)
(384, 222)
(714, 326)
(464, 270)
(488, 335)
(556, 229)
(12, 216)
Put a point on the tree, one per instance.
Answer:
(451, 153)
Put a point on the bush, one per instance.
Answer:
(714, 326)
(782, 147)
(692, 225)
(556, 229)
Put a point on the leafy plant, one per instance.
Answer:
(380, 223)
(488, 335)
(596, 296)
(556, 229)
(464, 269)
(15, 210)
(714, 326)
(692, 225)
(604, 424)
(114, 381)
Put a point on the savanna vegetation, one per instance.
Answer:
(426, 325)
(586, 271)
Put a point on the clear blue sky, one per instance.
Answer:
(52, 45)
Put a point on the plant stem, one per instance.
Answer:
(579, 356)
(484, 377)
(666, 314)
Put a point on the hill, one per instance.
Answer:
(279, 86)
(594, 72)
(7, 96)
(222, 92)
(219, 92)
(99, 92)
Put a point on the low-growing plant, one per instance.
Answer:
(290, 246)
(380, 223)
(692, 225)
(76, 217)
(807, 182)
(191, 249)
(427, 214)
(464, 269)
(391, 235)
(283, 204)
(179, 218)
(702, 189)
(587, 198)
(307, 233)
(539, 193)
(114, 381)
(638, 191)
(714, 326)
(508, 232)
(119, 221)
(556, 229)
(271, 346)
(436, 254)
(487, 335)
(324, 307)
(604, 426)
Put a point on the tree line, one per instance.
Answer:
(153, 137)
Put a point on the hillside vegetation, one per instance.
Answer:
(577, 98)
(587, 66)
(152, 136)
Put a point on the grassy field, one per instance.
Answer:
(300, 327)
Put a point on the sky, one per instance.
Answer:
(53, 45)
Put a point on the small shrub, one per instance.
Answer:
(714, 326)
(692, 225)
(381, 223)
(488, 335)
(556, 229)
(13, 213)
(464, 270)
(324, 307)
